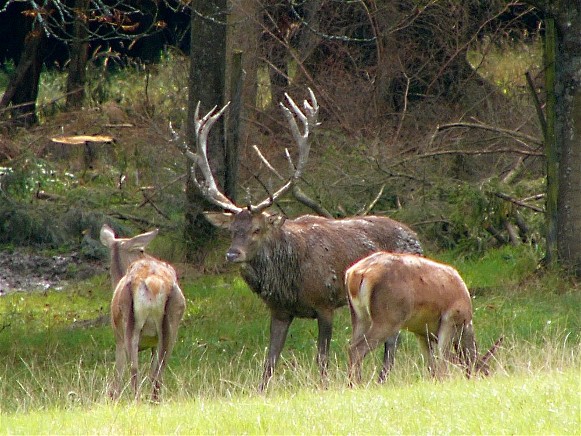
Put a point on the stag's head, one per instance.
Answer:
(249, 226)
(248, 231)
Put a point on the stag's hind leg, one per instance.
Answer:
(325, 324)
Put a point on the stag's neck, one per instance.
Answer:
(274, 272)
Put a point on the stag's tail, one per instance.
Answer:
(482, 365)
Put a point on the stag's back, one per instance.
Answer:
(302, 265)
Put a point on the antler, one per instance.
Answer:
(309, 119)
(208, 186)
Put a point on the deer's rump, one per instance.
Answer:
(300, 268)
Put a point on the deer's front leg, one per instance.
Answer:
(279, 325)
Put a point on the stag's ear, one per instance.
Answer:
(275, 220)
(221, 220)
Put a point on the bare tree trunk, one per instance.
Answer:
(275, 23)
(231, 152)
(78, 61)
(243, 35)
(552, 164)
(22, 90)
(568, 133)
(207, 86)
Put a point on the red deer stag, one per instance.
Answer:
(146, 309)
(295, 266)
(391, 291)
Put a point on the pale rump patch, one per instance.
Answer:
(360, 299)
(146, 308)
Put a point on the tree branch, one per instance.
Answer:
(519, 202)
(512, 133)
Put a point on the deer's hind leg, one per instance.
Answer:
(467, 348)
(427, 343)
(167, 335)
(388, 357)
(376, 334)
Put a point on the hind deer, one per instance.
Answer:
(389, 292)
(295, 266)
(146, 308)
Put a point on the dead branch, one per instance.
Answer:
(512, 233)
(449, 153)
(303, 198)
(519, 202)
(368, 209)
(537, 103)
(507, 132)
(495, 233)
(148, 199)
(521, 223)
(298, 193)
(135, 219)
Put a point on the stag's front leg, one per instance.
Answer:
(279, 325)
(325, 323)
(388, 357)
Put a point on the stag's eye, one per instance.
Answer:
(256, 231)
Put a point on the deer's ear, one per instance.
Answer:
(139, 242)
(221, 220)
(275, 220)
(107, 236)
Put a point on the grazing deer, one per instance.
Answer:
(390, 291)
(146, 309)
(295, 266)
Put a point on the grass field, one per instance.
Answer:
(55, 367)
(547, 403)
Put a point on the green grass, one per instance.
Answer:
(545, 404)
(55, 370)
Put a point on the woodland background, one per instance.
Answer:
(430, 113)
(455, 117)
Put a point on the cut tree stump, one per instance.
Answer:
(87, 150)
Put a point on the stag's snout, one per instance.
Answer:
(235, 255)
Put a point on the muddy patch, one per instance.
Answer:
(22, 270)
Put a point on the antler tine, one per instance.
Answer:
(209, 187)
(308, 118)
